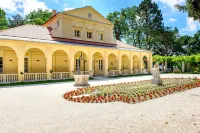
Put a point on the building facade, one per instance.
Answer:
(52, 51)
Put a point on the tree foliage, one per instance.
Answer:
(37, 17)
(192, 7)
(17, 20)
(3, 20)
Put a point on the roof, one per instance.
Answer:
(37, 33)
(76, 9)
(28, 31)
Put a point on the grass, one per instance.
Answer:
(39, 82)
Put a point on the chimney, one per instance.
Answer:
(53, 12)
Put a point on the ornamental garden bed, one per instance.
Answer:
(131, 92)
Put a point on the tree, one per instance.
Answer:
(150, 18)
(38, 17)
(134, 34)
(120, 26)
(192, 7)
(3, 20)
(17, 20)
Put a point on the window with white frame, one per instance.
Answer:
(101, 65)
(77, 33)
(1, 64)
(101, 36)
(26, 65)
(89, 35)
(78, 64)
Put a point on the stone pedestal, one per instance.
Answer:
(81, 80)
(156, 79)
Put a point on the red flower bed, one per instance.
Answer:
(131, 92)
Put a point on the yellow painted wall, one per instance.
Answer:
(45, 54)
(97, 57)
(125, 63)
(112, 62)
(60, 62)
(79, 20)
(10, 62)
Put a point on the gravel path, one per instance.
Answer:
(42, 109)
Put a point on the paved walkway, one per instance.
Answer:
(42, 109)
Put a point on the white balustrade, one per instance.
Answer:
(113, 73)
(28, 77)
(136, 71)
(60, 75)
(126, 72)
(8, 78)
(82, 72)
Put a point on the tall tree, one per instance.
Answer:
(192, 7)
(17, 20)
(134, 34)
(3, 20)
(38, 17)
(151, 21)
(120, 26)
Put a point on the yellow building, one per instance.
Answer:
(52, 51)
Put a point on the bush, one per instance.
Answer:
(177, 71)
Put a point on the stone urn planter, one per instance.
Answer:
(81, 80)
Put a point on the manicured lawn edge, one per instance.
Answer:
(38, 82)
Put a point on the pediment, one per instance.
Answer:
(88, 13)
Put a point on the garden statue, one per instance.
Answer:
(156, 79)
(81, 79)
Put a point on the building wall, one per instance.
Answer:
(46, 59)
(70, 21)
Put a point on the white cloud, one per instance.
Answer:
(66, 8)
(26, 6)
(170, 3)
(191, 25)
(173, 20)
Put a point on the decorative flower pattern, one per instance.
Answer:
(131, 92)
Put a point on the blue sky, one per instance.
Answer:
(172, 17)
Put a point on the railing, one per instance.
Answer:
(136, 71)
(60, 75)
(113, 73)
(28, 77)
(126, 72)
(82, 72)
(8, 78)
(144, 71)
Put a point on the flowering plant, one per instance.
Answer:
(131, 92)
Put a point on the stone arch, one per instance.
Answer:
(34, 61)
(60, 61)
(8, 60)
(124, 62)
(112, 62)
(145, 62)
(97, 64)
(136, 62)
(79, 64)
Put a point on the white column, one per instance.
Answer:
(105, 64)
(49, 55)
(71, 63)
(20, 55)
(90, 63)
(183, 66)
(119, 63)
(165, 66)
